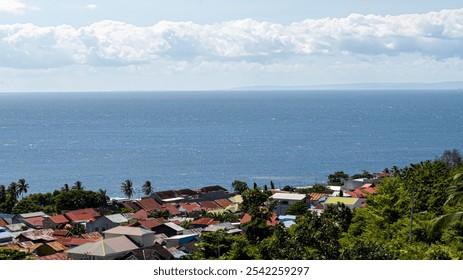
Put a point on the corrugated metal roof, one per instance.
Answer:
(59, 219)
(33, 214)
(117, 218)
(105, 247)
(125, 230)
(288, 196)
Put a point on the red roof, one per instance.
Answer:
(59, 219)
(131, 206)
(224, 203)
(173, 210)
(142, 214)
(209, 205)
(212, 189)
(81, 215)
(35, 221)
(272, 222)
(204, 221)
(92, 235)
(2, 223)
(55, 257)
(61, 232)
(148, 204)
(190, 207)
(149, 224)
(80, 241)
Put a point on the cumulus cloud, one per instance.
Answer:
(438, 35)
(14, 7)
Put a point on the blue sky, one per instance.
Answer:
(203, 44)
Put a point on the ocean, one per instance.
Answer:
(195, 139)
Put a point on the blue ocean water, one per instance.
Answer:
(195, 139)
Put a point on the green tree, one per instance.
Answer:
(239, 186)
(79, 199)
(10, 254)
(22, 187)
(452, 158)
(127, 189)
(65, 188)
(147, 189)
(298, 208)
(78, 186)
(337, 178)
(2, 194)
(104, 193)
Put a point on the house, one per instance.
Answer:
(6, 236)
(32, 215)
(148, 204)
(226, 226)
(202, 223)
(213, 193)
(50, 248)
(273, 221)
(3, 222)
(169, 229)
(140, 236)
(155, 252)
(350, 202)
(55, 222)
(209, 205)
(316, 198)
(166, 196)
(140, 214)
(37, 236)
(34, 222)
(105, 249)
(190, 209)
(285, 200)
(82, 216)
(16, 227)
(103, 223)
(178, 240)
(54, 257)
(172, 209)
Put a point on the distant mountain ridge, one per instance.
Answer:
(450, 85)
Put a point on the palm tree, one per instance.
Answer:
(13, 190)
(78, 186)
(103, 192)
(65, 188)
(22, 187)
(127, 188)
(455, 198)
(147, 188)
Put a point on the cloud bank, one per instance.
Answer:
(437, 35)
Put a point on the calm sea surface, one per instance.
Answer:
(195, 139)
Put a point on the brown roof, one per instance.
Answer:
(141, 214)
(39, 234)
(131, 206)
(2, 222)
(212, 189)
(59, 219)
(54, 257)
(272, 222)
(186, 192)
(224, 203)
(204, 221)
(149, 224)
(173, 210)
(57, 246)
(92, 235)
(209, 205)
(61, 232)
(79, 241)
(317, 196)
(87, 214)
(35, 221)
(166, 194)
(190, 207)
(148, 204)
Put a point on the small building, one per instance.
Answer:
(350, 202)
(55, 222)
(285, 200)
(179, 240)
(140, 236)
(105, 249)
(169, 229)
(104, 223)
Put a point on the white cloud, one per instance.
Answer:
(437, 35)
(91, 7)
(14, 7)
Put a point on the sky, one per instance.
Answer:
(64, 45)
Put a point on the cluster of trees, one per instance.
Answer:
(417, 213)
(9, 195)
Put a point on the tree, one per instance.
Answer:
(78, 186)
(147, 189)
(22, 187)
(337, 178)
(2, 193)
(10, 254)
(65, 188)
(239, 186)
(272, 185)
(452, 158)
(79, 199)
(298, 208)
(103, 192)
(127, 189)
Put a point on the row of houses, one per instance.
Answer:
(137, 235)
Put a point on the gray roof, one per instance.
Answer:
(288, 196)
(117, 218)
(33, 214)
(16, 227)
(104, 247)
(125, 230)
(174, 226)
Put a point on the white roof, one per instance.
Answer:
(117, 218)
(288, 196)
(105, 247)
(174, 226)
(125, 230)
